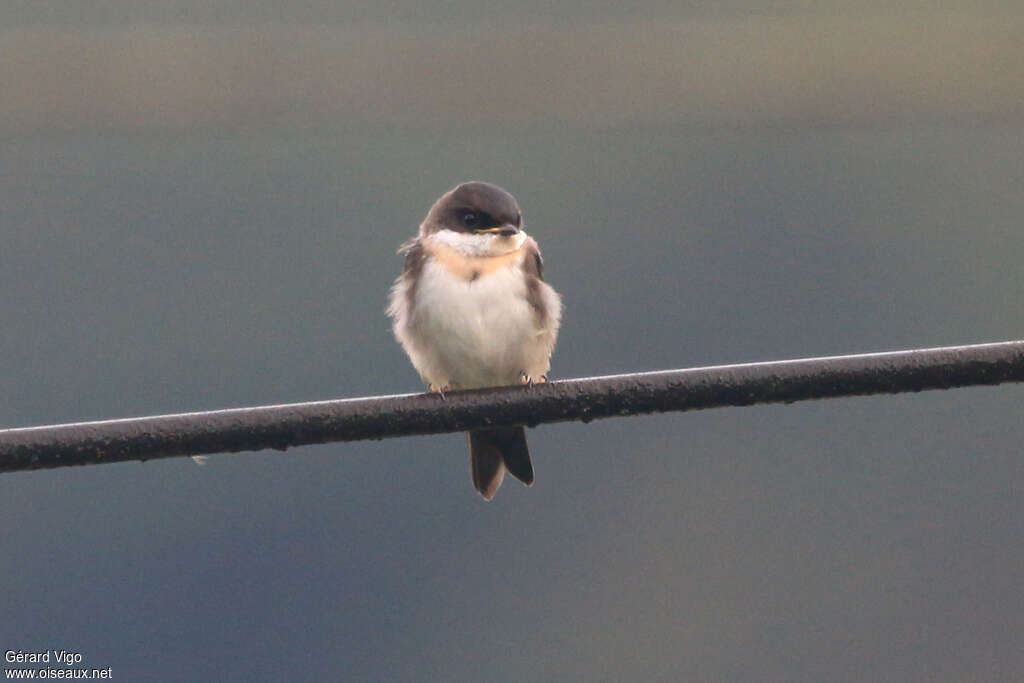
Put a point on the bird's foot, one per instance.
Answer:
(529, 381)
(440, 389)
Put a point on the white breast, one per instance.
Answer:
(475, 333)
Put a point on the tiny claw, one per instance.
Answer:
(529, 381)
(440, 390)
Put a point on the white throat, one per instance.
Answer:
(472, 244)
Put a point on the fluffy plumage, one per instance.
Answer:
(471, 309)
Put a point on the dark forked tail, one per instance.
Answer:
(492, 451)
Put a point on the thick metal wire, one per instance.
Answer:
(297, 424)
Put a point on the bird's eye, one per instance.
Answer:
(470, 219)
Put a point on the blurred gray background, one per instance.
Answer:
(200, 205)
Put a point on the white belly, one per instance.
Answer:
(475, 333)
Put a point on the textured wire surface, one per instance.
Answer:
(285, 426)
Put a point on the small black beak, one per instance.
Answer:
(508, 230)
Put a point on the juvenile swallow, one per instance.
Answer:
(471, 309)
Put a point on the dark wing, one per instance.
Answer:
(415, 257)
(533, 269)
(533, 264)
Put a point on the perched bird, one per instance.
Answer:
(471, 309)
